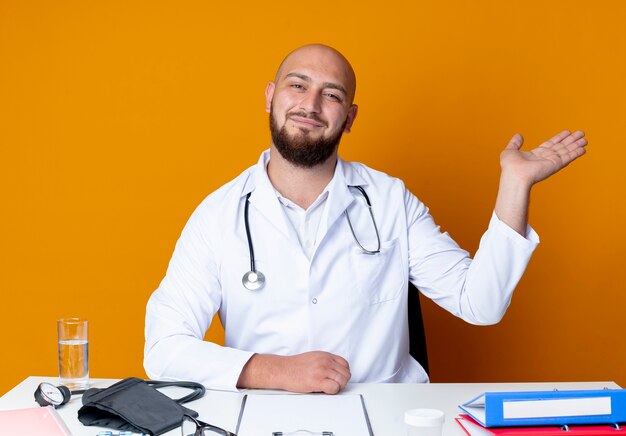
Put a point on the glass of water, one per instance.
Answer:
(73, 353)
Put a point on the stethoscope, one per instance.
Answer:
(48, 394)
(254, 280)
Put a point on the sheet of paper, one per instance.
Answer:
(342, 414)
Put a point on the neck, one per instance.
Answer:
(300, 185)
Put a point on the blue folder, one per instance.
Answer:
(533, 408)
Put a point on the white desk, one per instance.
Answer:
(385, 403)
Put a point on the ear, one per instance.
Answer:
(351, 117)
(269, 95)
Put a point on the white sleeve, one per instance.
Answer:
(180, 311)
(479, 291)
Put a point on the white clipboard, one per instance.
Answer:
(267, 415)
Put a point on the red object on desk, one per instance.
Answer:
(473, 428)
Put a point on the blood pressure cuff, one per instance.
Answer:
(134, 404)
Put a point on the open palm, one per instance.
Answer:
(540, 163)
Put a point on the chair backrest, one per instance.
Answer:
(417, 337)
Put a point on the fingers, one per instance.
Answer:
(567, 146)
(340, 360)
(559, 137)
(572, 151)
(566, 138)
(516, 142)
(337, 375)
(564, 142)
(574, 146)
(579, 134)
(342, 371)
(331, 387)
(570, 147)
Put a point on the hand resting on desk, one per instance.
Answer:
(315, 371)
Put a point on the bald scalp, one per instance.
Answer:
(327, 52)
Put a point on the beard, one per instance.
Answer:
(301, 150)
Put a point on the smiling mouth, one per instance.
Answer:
(306, 121)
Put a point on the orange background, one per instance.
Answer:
(117, 118)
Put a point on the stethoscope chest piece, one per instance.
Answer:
(253, 280)
(49, 395)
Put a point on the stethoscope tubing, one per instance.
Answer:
(369, 208)
(254, 280)
(247, 224)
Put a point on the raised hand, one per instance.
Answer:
(540, 163)
(522, 169)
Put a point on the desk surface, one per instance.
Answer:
(386, 403)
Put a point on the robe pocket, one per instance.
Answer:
(380, 276)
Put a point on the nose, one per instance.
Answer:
(311, 102)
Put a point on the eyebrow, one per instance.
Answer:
(306, 78)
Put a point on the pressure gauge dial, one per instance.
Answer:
(49, 395)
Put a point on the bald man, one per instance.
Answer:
(310, 283)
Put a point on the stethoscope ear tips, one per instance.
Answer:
(253, 280)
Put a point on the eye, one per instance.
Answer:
(333, 97)
(296, 86)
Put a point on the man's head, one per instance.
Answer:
(311, 104)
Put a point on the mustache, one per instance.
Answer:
(303, 114)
